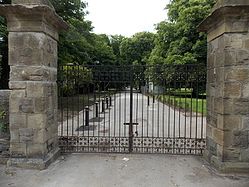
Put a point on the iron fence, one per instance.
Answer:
(132, 109)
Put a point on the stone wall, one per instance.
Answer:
(228, 97)
(33, 35)
(228, 86)
(4, 137)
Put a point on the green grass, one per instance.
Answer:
(186, 103)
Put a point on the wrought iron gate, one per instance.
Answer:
(139, 109)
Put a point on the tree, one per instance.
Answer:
(115, 43)
(103, 52)
(75, 45)
(79, 45)
(178, 40)
(137, 48)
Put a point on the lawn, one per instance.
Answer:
(185, 102)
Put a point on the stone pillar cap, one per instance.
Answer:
(222, 8)
(223, 3)
(44, 12)
(33, 2)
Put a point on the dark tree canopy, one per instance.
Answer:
(178, 40)
(136, 50)
(4, 68)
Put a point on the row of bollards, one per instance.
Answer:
(105, 104)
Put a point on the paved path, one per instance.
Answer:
(102, 170)
(155, 120)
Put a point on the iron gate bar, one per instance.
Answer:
(170, 124)
(131, 119)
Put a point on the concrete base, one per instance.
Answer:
(30, 163)
(226, 167)
(122, 170)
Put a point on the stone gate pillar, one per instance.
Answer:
(228, 86)
(33, 29)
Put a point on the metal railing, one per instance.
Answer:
(139, 109)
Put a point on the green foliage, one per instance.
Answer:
(3, 126)
(74, 78)
(178, 41)
(79, 45)
(115, 43)
(103, 52)
(184, 103)
(137, 48)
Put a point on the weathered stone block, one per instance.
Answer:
(219, 75)
(209, 130)
(244, 155)
(32, 49)
(36, 89)
(33, 2)
(230, 57)
(26, 135)
(237, 74)
(220, 152)
(211, 146)
(245, 122)
(41, 136)
(229, 122)
(35, 73)
(232, 90)
(235, 40)
(26, 48)
(15, 137)
(245, 91)
(211, 62)
(18, 121)
(14, 104)
(26, 105)
(26, 139)
(218, 136)
(211, 76)
(241, 106)
(242, 57)
(240, 138)
(219, 59)
(37, 150)
(18, 93)
(37, 121)
(212, 120)
(18, 149)
(231, 154)
(15, 85)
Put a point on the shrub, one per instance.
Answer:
(3, 125)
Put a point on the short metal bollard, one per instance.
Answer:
(87, 116)
(103, 105)
(107, 102)
(153, 99)
(96, 110)
(148, 100)
(110, 100)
